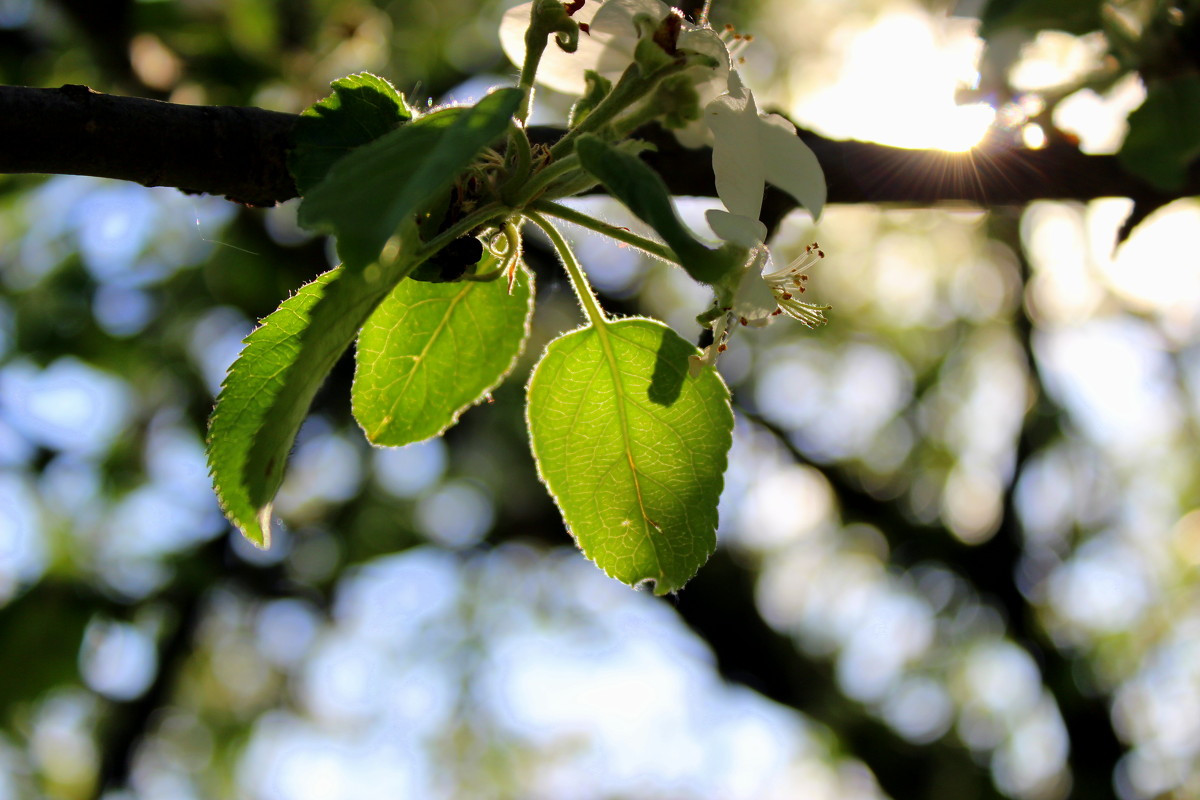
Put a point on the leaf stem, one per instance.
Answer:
(656, 249)
(642, 115)
(535, 44)
(631, 87)
(579, 281)
(480, 216)
(520, 154)
(540, 180)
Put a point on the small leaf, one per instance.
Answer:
(632, 448)
(362, 108)
(1164, 133)
(634, 183)
(269, 388)
(432, 350)
(367, 193)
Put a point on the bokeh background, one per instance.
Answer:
(960, 535)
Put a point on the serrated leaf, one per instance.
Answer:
(1164, 133)
(368, 192)
(634, 183)
(269, 388)
(432, 350)
(632, 448)
(362, 108)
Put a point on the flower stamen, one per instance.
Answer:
(792, 277)
(735, 42)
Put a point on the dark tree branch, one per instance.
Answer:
(238, 153)
(241, 154)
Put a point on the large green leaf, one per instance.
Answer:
(368, 192)
(1164, 133)
(362, 108)
(634, 183)
(269, 388)
(431, 350)
(632, 448)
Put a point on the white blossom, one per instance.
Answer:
(749, 149)
(607, 46)
(763, 294)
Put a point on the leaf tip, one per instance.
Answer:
(260, 534)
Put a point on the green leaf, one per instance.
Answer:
(362, 108)
(634, 183)
(1164, 133)
(632, 448)
(367, 193)
(431, 350)
(269, 388)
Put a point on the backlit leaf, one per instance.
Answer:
(368, 192)
(432, 350)
(269, 388)
(362, 108)
(632, 448)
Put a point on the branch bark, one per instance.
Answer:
(241, 154)
(237, 153)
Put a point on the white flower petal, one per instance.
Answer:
(794, 168)
(616, 17)
(710, 82)
(751, 149)
(737, 165)
(745, 231)
(707, 42)
(754, 303)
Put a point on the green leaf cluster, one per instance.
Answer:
(367, 193)
(1072, 16)
(426, 210)
(367, 165)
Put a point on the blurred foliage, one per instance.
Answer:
(960, 535)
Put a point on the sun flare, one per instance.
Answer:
(896, 85)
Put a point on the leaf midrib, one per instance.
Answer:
(454, 302)
(618, 388)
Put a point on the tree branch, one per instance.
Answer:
(238, 153)
(241, 154)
